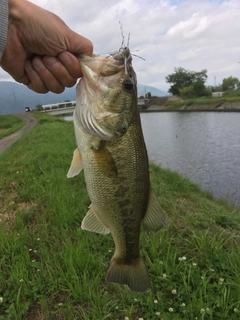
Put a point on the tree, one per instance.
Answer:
(187, 92)
(184, 78)
(39, 107)
(230, 83)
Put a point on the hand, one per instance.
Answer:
(40, 49)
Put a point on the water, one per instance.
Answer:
(202, 146)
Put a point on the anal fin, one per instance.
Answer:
(155, 217)
(76, 165)
(91, 222)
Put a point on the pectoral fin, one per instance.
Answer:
(91, 222)
(154, 218)
(76, 165)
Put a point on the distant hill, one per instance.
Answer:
(142, 89)
(15, 97)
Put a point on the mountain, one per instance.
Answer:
(142, 89)
(15, 97)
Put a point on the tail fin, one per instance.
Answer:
(134, 275)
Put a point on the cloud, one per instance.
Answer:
(192, 34)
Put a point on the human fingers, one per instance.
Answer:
(45, 78)
(13, 61)
(36, 84)
(66, 71)
(71, 63)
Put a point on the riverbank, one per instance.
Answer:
(173, 103)
(50, 268)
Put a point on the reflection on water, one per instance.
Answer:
(202, 146)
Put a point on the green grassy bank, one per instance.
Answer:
(9, 124)
(51, 269)
(225, 103)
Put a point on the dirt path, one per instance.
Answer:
(7, 141)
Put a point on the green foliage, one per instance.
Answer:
(51, 269)
(232, 93)
(187, 92)
(196, 90)
(9, 124)
(230, 83)
(38, 107)
(184, 78)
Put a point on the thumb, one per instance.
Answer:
(78, 44)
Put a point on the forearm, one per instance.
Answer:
(3, 25)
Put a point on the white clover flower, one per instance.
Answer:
(1, 299)
(202, 311)
(21, 280)
(109, 250)
(38, 270)
(116, 307)
(157, 313)
(183, 305)
(126, 318)
(140, 319)
(30, 250)
(194, 264)
(35, 251)
(184, 258)
(164, 276)
(155, 301)
(174, 291)
(60, 304)
(221, 280)
(170, 309)
(180, 259)
(33, 260)
(38, 239)
(235, 310)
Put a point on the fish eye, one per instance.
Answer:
(128, 85)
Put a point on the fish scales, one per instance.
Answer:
(112, 152)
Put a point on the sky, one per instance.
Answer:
(193, 34)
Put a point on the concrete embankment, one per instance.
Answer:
(218, 106)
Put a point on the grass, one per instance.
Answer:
(204, 103)
(9, 124)
(51, 269)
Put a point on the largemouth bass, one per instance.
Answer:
(112, 152)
